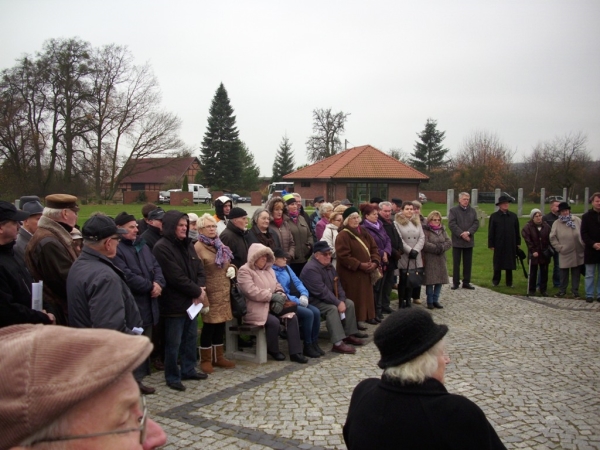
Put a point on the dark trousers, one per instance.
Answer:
(212, 334)
(467, 257)
(543, 278)
(181, 339)
(293, 334)
(498, 276)
(143, 369)
(158, 339)
(564, 280)
(555, 270)
(382, 291)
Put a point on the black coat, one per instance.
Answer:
(503, 237)
(396, 240)
(152, 235)
(537, 241)
(15, 290)
(590, 234)
(141, 270)
(234, 238)
(384, 414)
(181, 267)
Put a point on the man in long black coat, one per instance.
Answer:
(504, 238)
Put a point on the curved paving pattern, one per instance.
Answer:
(532, 364)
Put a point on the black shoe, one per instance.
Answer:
(177, 386)
(544, 294)
(531, 294)
(299, 358)
(372, 322)
(360, 335)
(378, 319)
(317, 348)
(589, 300)
(146, 390)
(468, 286)
(386, 310)
(559, 295)
(310, 351)
(195, 376)
(454, 287)
(437, 305)
(277, 356)
(430, 306)
(361, 328)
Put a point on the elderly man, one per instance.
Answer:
(50, 253)
(144, 278)
(388, 281)
(590, 235)
(57, 388)
(15, 279)
(30, 225)
(327, 295)
(233, 236)
(463, 223)
(153, 227)
(550, 218)
(503, 239)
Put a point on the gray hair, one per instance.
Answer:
(205, 218)
(52, 213)
(257, 214)
(464, 194)
(382, 204)
(417, 370)
(325, 207)
(417, 204)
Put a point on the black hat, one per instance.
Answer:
(397, 201)
(156, 214)
(375, 200)
(406, 334)
(8, 211)
(562, 206)
(318, 199)
(237, 212)
(503, 199)
(321, 246)
(33, 207)
(279, 253)
(348, 211)
(123, 218)
(100, 227)
(28, 198)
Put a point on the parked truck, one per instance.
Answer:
(201, 194)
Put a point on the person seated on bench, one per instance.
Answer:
(257, 281)
(326, 293)
(308, 315)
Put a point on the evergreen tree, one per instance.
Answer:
(221, 153)
(429, 153)
(185, 187)
(284, 160)
(250, 172)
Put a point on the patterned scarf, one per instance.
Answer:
(224, 255)
(294, 216)
(567, 220)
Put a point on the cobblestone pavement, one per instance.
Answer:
(532, 365)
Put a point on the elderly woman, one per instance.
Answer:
(536, 234)
(279, 227)
(216, 258)
(324, 210)
(331, 232)
(565, 238)
(374, 227)
(258, 283)
(409, 227)
(409, 407)
(357, 257)
(300, 230)
(437, 243)
(260, 233)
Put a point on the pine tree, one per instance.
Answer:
(185, 187)
(250, 172)
(284, 160)
(429, 153)
(221, 154)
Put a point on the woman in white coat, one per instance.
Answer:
(409, 227)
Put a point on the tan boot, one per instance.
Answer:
(220, 360)
(206, 360)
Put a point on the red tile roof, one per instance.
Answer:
(157, 170)
(358, 162)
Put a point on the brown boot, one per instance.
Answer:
(206, 360)
(220, 360)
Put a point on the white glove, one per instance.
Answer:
(205, 310)
(230, 273)
(303, 300)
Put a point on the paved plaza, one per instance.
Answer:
(532, 365)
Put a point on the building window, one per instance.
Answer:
(138, 186)
(359, 193)
(305, 184)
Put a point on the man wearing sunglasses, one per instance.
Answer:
(56, 387)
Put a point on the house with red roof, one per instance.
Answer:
(155, 174)
(358, 174)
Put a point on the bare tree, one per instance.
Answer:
(327, 127)
(399, 154)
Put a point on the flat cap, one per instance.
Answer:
(100, 227)
(62, 201)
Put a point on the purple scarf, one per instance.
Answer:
(224, 255)
(294, 216)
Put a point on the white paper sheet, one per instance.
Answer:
(37, 294)
(194, 310)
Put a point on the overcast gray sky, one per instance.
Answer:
(525, 70)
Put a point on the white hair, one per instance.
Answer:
(418, 369)
(464, 194)
(325, 207)
(52, 213)
(205, 218)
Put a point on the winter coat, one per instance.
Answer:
(504, 236)
(283, 233)
(413, 238)
(590, 234)
(320, 228)
(380, 236)
(320, 282)
(269, 239)
(350, 254)
(258, 285)
(15, 290)
(437, 243)
(218, 285)
(385, 414)
(181, 267)
(462, 219)
(303, 239)
(568, 243)
(98, 295)
(235, 239)
(141, 270)
(151, 236)
(23, 239)
(395, 240)
(550, 218)
(290, 283)
(329, 236)
(537, 241)
(49, 256)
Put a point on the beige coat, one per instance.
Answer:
(568, 243)
(217, 285)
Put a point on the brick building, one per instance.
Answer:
(152, 174)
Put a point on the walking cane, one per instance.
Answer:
(529, 275)
(335, 287)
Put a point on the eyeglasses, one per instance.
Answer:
(210, 226)
(116, 238)
(141, 429)
(435, 220)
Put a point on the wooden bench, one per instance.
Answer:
(233, 330)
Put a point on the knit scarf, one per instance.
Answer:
(567, 220)
(435, 227)
(294, 216)
(373, 226)
(278, 222)
(224, 255)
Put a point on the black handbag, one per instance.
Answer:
(412, 278)
(238, 302)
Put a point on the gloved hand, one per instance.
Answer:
(413, 254)
(303, 300)
(230, 273)
(205, 310)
